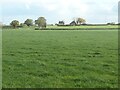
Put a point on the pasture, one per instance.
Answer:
(86, 26)
(60, 59)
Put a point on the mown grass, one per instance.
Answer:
(60, 59)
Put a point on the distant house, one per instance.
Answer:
(61, 23)
(73, 23)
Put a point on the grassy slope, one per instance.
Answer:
(59, 58)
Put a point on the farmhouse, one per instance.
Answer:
(73, 23)
(61, 23)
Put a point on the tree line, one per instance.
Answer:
(40, 22)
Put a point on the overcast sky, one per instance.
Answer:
(94, 11)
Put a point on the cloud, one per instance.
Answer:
(95, 11)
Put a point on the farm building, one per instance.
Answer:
(61, 23)
(73, 23)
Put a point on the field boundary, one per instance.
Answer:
(78, 29)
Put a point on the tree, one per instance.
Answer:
(80, 21)
(14, 23)
(36, 22)
(41, 22)
(29, 22)
(23, 25)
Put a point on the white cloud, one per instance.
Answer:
(65, 8)
(68, 9)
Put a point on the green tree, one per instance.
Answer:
(29, 22)
(41, 22)
(80, 21)
(15, 23)
(23, 25)
(36, 22)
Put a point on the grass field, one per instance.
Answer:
(106, 26)
(0, 58)
(60, 59)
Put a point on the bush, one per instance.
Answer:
(112, 23)
(37, 29)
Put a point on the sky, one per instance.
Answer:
(94, 11)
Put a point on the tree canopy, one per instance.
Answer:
(80, 21)
(29, 22)
(14, 23)
(41, 22)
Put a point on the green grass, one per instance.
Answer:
(0, 58)
(106, 26)
(60, 59)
